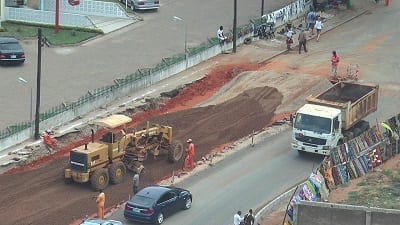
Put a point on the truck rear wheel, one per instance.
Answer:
(175, 152)
(348, 136)
(99, 179)
(117, 172)
(363, 125)
(357, 132)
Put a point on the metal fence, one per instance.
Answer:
(88, 7)
(47, 17)
(133, 82)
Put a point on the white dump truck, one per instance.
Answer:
(333, 117)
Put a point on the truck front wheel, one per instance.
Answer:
(348, 136)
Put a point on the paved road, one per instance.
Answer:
(242, 181)
(69, 72)
(253, 176)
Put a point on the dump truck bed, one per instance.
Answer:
(355, 100)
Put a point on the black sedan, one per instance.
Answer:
(152, 204)
(11, 51)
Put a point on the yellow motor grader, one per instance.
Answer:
(106, 160)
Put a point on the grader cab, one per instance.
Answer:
(106, 160)
(100, 161)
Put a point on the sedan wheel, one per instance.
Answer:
(188, 203)
(160, 218)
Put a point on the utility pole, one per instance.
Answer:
(234, 24)
(262, 8)
(2, 11)
(39, 69)
(57, 19)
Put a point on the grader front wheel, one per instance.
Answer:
(175, 152)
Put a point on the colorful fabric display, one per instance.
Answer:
(324, 192)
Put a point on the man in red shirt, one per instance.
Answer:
(335, 63)
(189, 159)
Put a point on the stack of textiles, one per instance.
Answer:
(311, 190)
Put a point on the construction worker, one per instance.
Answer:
(189, 159)
(135, 183)
(100, 201)
(49, 141)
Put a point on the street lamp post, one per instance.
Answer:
(25, 82)
(186, 53)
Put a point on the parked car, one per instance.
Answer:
(142, 4)
(154, 203)
(11, 51)
(95, 221)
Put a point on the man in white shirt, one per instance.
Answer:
(237, 218)
(221, 36)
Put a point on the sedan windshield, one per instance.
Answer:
(10, 46)
(142, 201)
(313, 123)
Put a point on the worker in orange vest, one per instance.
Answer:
(100, 201)
(189, 159)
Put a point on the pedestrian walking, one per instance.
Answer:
(302, 40)
(100, 201)
(249, 218)
(335, 63)
(189, 159)
(318, 26)
(311, 19)
(237, 219)
(221, 36)
(289, 39)
(136, 183)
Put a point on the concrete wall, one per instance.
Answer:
(88, 7)
(308, 213)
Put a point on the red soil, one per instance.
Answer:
(36, 194)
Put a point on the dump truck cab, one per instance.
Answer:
(316, 129)
(333, 117)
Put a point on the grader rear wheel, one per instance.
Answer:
(175, 152)
(117, 172)
(99, 179)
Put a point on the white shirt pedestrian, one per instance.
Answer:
(237, 219)
(221, 35)
(319, 25)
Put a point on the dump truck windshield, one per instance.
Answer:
(313, 123)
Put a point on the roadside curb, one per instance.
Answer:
(271, 205)
(285, 196)
(362, 12)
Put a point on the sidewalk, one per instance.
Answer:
(268, 49)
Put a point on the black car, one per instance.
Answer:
(11, 51)
(152, 204)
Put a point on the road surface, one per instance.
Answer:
(242, 181)
(254, 176)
